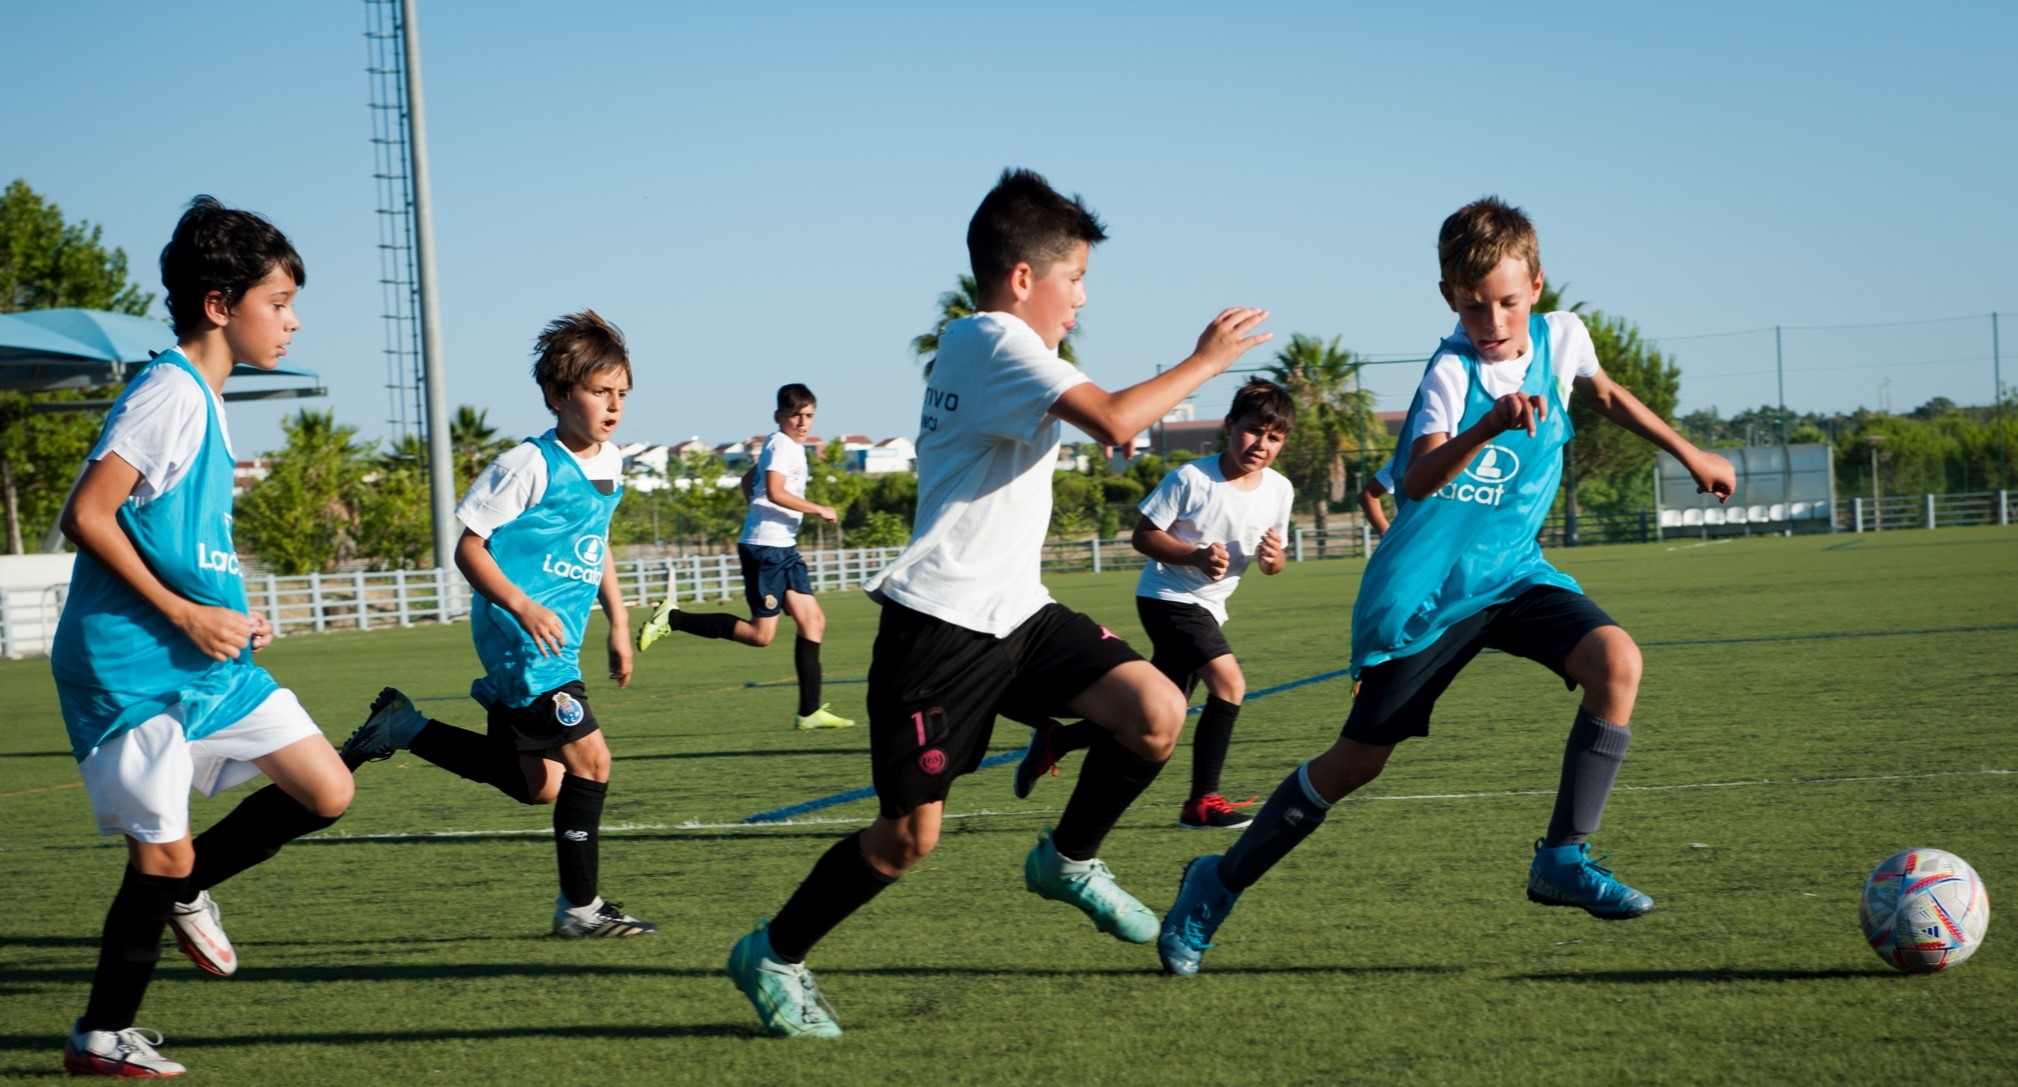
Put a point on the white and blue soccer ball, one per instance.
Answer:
(1925, 910)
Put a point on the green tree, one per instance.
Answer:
(304, 516)
(395, 530)
(46, 263)
(705, 512)
(831, 481)
(473, 443)
(1607, 468)
(1336, 427)
(964, 301)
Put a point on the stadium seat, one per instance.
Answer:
(1756, 515)
(1778, 512)
(1715, 516)
(1671, 518)
(1692, 518)
(1733, 515)
(1800, 511)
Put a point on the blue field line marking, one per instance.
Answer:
(780, 814)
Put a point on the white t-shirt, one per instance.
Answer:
(517, 479)
(1385, 476)
(987, 445)
(158, 427)
(1443, 388)
(769, 524)
(1197, 505)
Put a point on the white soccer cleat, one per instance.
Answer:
(200, 934)
(121, 1054)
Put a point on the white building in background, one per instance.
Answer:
(888, 455)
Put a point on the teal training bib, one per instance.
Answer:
(1471, 544)
(554, 552)
(117, 660)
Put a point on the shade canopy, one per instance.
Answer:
(50, 349)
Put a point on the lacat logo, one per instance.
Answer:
(568, 711)
(590, 550)
(1494, 466)
(223, 562)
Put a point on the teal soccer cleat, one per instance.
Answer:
(1567, 876)
(1089, 885)
(1202, 904)
(782, 992)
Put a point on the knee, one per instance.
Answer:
(333, 800)
(760, 636)
(1619, 667)
(1163, 714)
(1232, 689)
(898, 848)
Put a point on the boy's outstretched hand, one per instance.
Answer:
(1231, 334)
(1713, 475)
(1517, 411)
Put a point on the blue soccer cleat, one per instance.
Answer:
(1202, 904)
(1567, 876)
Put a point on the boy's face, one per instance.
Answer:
(1050, 303)
(261, 325)
(796, 423)
(590, 411)
(1495, 311)
(1252, 445)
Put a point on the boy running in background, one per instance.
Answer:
(968, 629)
(1203, 526)
(774, 575)
(1369, 497)
(535, 538)
(153, 653)
(1459, 571)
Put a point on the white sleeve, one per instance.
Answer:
(1166, 505)
(1385, 476)
(1573, 344)
(788, 459)
(1026, 382)
(1288, 509)
(505, 489)
(1443, 392)
(158, 428)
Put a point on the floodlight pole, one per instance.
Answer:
(1997, 375)
(440, 475)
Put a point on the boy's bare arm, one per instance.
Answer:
(1712, 473)
(776, 494)
(1436, 459)
(1369, 504)
(749, 483)
(1116, 418)
(473, 558)
(1171, 551)
(90, 519)
(612, 598)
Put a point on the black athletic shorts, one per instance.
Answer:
(1396, 696)
(1184, 637)
(557, 717)
(767, 573)
(935, 688)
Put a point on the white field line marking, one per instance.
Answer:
(614, 828)
(1710, 785)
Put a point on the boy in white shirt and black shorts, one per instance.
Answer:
(774, 575)
(968, 630)
(1203, 527)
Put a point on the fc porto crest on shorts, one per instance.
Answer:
(567, 710)
(770, 601)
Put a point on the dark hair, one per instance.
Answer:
(1265, 402)
(795, 396)
(1479, 236)
(574, 348)
(215, 248)
(1023, 220)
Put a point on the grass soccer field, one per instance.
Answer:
(1810, 706)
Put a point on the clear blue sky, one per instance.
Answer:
(770, 193)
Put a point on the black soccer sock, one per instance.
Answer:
(842, 882)
(1077, 736)
(1591, 761)
(806, 658)
(706, 624)
(249, 834)
(129, 947)
(473, 756)
(578, 815)
(1113, 778)
(1291, 814)
(1209, 742)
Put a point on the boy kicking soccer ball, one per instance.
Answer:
(1203, 526)
(153, 653)
(774, 576)
(1459, 571)
(536, 528)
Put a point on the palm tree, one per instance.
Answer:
(1334, 419)
(964, 301)
(473, 443)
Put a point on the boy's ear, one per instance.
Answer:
(216, 308)
(1022, 280)
(1540, 279)
(1449, 298)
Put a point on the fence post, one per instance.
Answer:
(2003, 508)
(1095, 541)
(363, 616)
(1930, 509)
(1297, 541)
(1857, 512)
(273, 605)
(1643, 526)
(1365, 538)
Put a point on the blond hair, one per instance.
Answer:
(1480, 235)
(573, 349)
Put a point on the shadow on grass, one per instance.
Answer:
(742, 754)
(32, 1042)
(1643, 977)
(35, 755)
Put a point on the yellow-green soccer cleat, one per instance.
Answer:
(820, 718)
(658, 625)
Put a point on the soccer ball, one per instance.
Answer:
(1924, 910)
